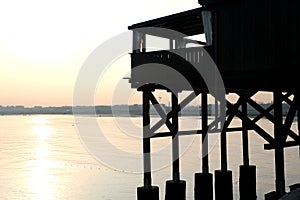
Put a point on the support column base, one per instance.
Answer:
(203, 186)
(175, 190)
(145, 193)
(223, 185)
(247, 183)
(295, 186)
(272, 196)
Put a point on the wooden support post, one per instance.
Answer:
(297, 95)
(205, 162)
(223, 177)
(223, 140)
(217, 113)
(175, 189)
(245, 135)
(147, 192)
(146, 140)
(175, 140)
(204, 181)
(279, 151)
(247, 183)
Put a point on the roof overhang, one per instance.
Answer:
(188, 23)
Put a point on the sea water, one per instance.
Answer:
(52, 157)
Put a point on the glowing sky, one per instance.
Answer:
(44, 43)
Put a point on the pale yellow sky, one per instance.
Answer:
(44, 43)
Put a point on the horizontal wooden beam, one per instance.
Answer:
(284, 144)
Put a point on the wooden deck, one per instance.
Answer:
(185, 60)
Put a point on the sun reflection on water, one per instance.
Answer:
(41, 183)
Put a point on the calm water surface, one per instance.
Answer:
(43, 157)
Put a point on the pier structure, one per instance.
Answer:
(254, 45)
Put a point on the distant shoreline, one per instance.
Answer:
(118, 110)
